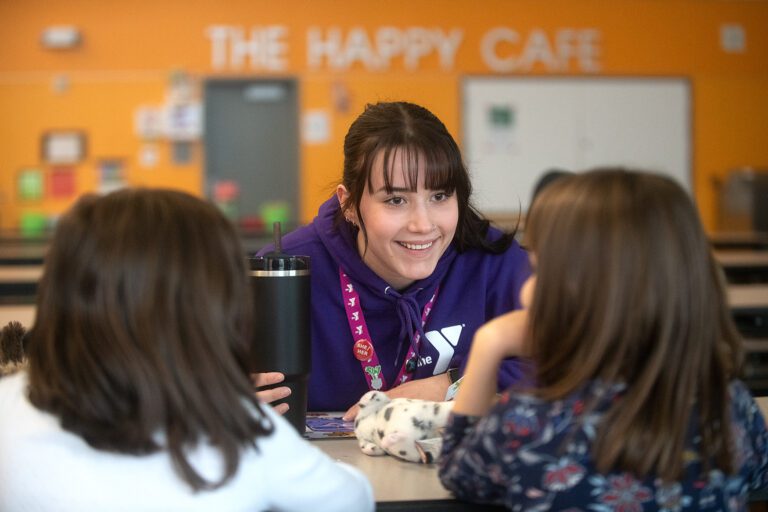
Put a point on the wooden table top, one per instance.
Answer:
(392, 479)
(748, 296)
(25, 314)
(20, 273)
(742, 258)
(762, 402)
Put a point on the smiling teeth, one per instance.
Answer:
(416, 247)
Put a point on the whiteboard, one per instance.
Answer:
(515, 129)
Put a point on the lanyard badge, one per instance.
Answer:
(363, 349)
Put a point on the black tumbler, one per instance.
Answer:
(281, 342)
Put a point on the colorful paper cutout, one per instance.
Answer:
(30, 184)
(32, 223)
(276, 211)
(61, 182)
(110, 173)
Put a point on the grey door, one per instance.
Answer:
(252, 139)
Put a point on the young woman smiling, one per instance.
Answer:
(404, 269)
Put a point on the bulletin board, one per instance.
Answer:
(516, 129)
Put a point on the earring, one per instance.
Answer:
(349, 219)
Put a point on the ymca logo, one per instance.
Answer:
(444, 341)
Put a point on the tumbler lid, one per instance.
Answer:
(277, 261)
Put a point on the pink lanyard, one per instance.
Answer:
(363, 347)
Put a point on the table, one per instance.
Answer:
(18, 283)
(406, 486)
(748, 296)
(749, 308)
(744, 266)
(22, 253)
(19, 250)
(20, 273)
(398, 485)
(742, 258)
(739, 240)
(391, 477)
(762, 402)
(25, 314)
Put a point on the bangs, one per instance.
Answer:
(441, 171)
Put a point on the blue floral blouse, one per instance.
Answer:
(528, 454)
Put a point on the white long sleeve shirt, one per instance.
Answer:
(45, 468)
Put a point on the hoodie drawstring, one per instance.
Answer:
(410, 321)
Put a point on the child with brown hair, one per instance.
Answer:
(137, 396)
(636, 404)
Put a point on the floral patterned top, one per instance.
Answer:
(529, 454)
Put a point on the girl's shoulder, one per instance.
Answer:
(744, 407)
(739, 392)
(593, 397)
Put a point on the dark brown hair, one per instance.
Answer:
(416, 134)
(628, 291)
(142, 330)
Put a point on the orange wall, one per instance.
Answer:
(130, 50)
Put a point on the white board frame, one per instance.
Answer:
(571, 123)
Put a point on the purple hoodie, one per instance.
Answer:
(475, 286)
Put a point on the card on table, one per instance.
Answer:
(328, 425)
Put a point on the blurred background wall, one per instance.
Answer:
(99, 94)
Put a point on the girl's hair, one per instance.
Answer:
(416, 136)
(143, 326)
(628, 291)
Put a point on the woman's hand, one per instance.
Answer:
(267, 396)
(431, 388)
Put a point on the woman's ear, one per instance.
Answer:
(342, 194)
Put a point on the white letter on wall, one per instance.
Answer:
(447, 46)
(389, 42)
(417, 45)
(319, 49)
(218, 35)
(358, 47)
(275, 51)
(488, 48)
(589, 50)
(537, 48)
